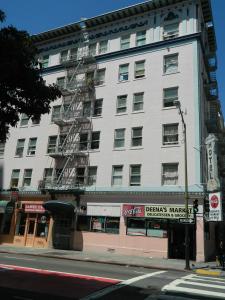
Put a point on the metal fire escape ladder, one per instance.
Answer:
(77, 89)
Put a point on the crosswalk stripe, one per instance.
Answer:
(180, 281)
(213, 280)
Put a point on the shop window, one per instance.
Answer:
(98, 224)
(21, 223)
(83, 223)
(42, 226)
(112, 225)
(136, 226)
(6, 223)
(157, 228)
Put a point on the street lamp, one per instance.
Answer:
(187, 249)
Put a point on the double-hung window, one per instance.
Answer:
(2, 149)
(63, 56)
(119, 138)
(138, 101)
(170, 134)
(124, 72)
(170, 174)
(60, 81)
(92, 175)
(103, 47)
(73, 53)
(136, 139)
(48, 172)
(125, 42)
(15, 178)
(87, 108)
(141, 38)
(55, 112)
(121, 105)
(169, 96)
(100, 77)
(83, 141)
(27, 177)
(95, 140)
(36, 121)
(24, 120)
(171, 63)
(139, 70)
(171, 30)
(97, 111)
(92, 49)
(80, 176)
(117, 175)
(135, 175)
(45, 61)
(32, 146)
(52, 142)
(20, 147)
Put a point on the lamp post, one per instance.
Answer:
(187, 246)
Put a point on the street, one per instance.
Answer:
(27, 277)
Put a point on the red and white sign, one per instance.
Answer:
(215, 207)
(34, 208)
(133, 210)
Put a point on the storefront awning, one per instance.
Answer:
(59, 206)
(5, 206)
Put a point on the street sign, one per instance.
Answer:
(187, 221)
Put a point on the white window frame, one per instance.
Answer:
(170, 138)
(97, 109)
(61, 82)
(47, 176)
(135, 137)
(166, 177)
(121, 104)
(56, 111)
(141, 38)
(103, 47)
(52, 146)
(92, 175)
(64, 55)
(169, 33)
(45, 61)
(118, 138)
(31, 150)
(138, 101)
(100, 77)
(20, 148)
(173, 61)
(139, 73)
(96, 140)
(83, 144)
(125, 42)
(124, 75)
(92, 48)
(2, 149)
(27, 177)
(170, 99)
(135, 174)
(80, 177)
(24, 120)
(15, 176)
(117, 175)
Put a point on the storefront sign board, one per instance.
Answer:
(133, 210)
(215, 207)
(103, 210)
(167, 211)
(34, 208)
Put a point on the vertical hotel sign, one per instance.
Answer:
(213, 183)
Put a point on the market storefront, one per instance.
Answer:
(33, 226)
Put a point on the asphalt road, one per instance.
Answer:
(32, 277)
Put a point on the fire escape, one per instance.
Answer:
(71, 154)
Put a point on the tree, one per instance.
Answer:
(22, 88)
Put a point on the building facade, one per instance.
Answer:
(104, 171)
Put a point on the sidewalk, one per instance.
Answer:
(209, 268)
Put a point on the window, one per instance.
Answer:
(55, 112)
(92, 175)
(21, 223)
(2, 149)
(87, 109)
(98, 224)
(64, 55)
(92, 49)
(170, 134)
(61, 141)
(171, 26)
(61, 82)
(100, 77)
(15, 178)
(125, 42)
(136, 139)
(80, 176)
(73, 53)
(42, 226)
(139, 71)
(52, 140)
(95, 140)
(27, 177)
(138, 101)
(147, 227)
(170, 174)
(135, 175)
(83, 141)
(103, 45)
(136, 226)
(141, 38)
(97, 108)
(121, 106)
(119, 138)
(24, 120)
(171, 64)
(32, 146)
(169, 96)
(20, 147)
(123, 72)
(45, 61)
(48, 175)
(36, 120)
(117, 175)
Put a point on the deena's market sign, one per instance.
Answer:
(157, 211)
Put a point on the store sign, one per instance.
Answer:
(215, 207)
(213, 182)
(133, 210)
(167, 211)
(34, 208)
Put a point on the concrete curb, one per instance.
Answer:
(100, 261)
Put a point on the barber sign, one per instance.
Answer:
(215, 207)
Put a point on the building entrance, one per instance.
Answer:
(30, 234)
(176, 241)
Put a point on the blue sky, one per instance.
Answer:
(38, 15)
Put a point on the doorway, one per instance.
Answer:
(30, 234)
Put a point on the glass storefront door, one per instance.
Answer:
(31, 228)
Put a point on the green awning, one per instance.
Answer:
(6, 206)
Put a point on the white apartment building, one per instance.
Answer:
(128, 196)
